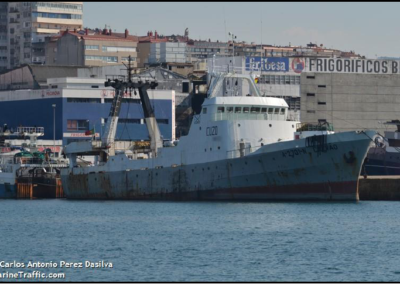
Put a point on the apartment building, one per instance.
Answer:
(3, 36)
(81, 48)
(29, 23)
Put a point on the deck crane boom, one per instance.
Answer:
(120, 88)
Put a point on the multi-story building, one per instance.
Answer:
(157, 49)
(84, 49)
(199, 50)
(29, 23)
(161, 52)
(3, 36)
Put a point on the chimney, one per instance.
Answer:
(155, 34)
(74, 30)
(104, 32)
(126, 33)
(110, 32)
(86, 31)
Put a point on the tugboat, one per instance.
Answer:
(240, 147)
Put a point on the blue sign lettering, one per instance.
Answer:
(267, 64)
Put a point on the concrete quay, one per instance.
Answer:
(379, 188)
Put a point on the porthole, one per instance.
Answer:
(238, 124)
(270, 125)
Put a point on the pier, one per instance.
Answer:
(379, 188)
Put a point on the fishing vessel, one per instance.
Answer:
(26, 172)
(240, 147)
(384, 158)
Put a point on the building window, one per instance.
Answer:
(83, 100)
(321, 120)
(162, 121)
(108, 59)
(124, 100)
(56, 15)
(57, 5)
(91, 47)
(130, 120)
(118, 49)
(322, 103)
(75, 125)
(126, 59)
(310, 95)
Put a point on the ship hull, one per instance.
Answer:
(8, 191)
(379, 162)
(285, 171)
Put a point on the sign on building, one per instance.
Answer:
(267, 64)
(348, 65)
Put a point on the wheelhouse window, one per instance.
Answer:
(282, 111)
(204, 110)
(229, 109)
(270, 110)
(246, 109)
(220, 109)
(255, 110)
(276, 111)
(238, 109)
(263, 110)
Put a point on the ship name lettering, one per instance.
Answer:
(294, 152)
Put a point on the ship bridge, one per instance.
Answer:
(245, 108)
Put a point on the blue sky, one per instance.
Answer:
(371, 29)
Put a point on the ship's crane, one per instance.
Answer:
(121, 87)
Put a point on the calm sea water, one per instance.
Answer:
(196, 241)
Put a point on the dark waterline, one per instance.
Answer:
(206, 241)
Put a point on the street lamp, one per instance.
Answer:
(54, 127)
